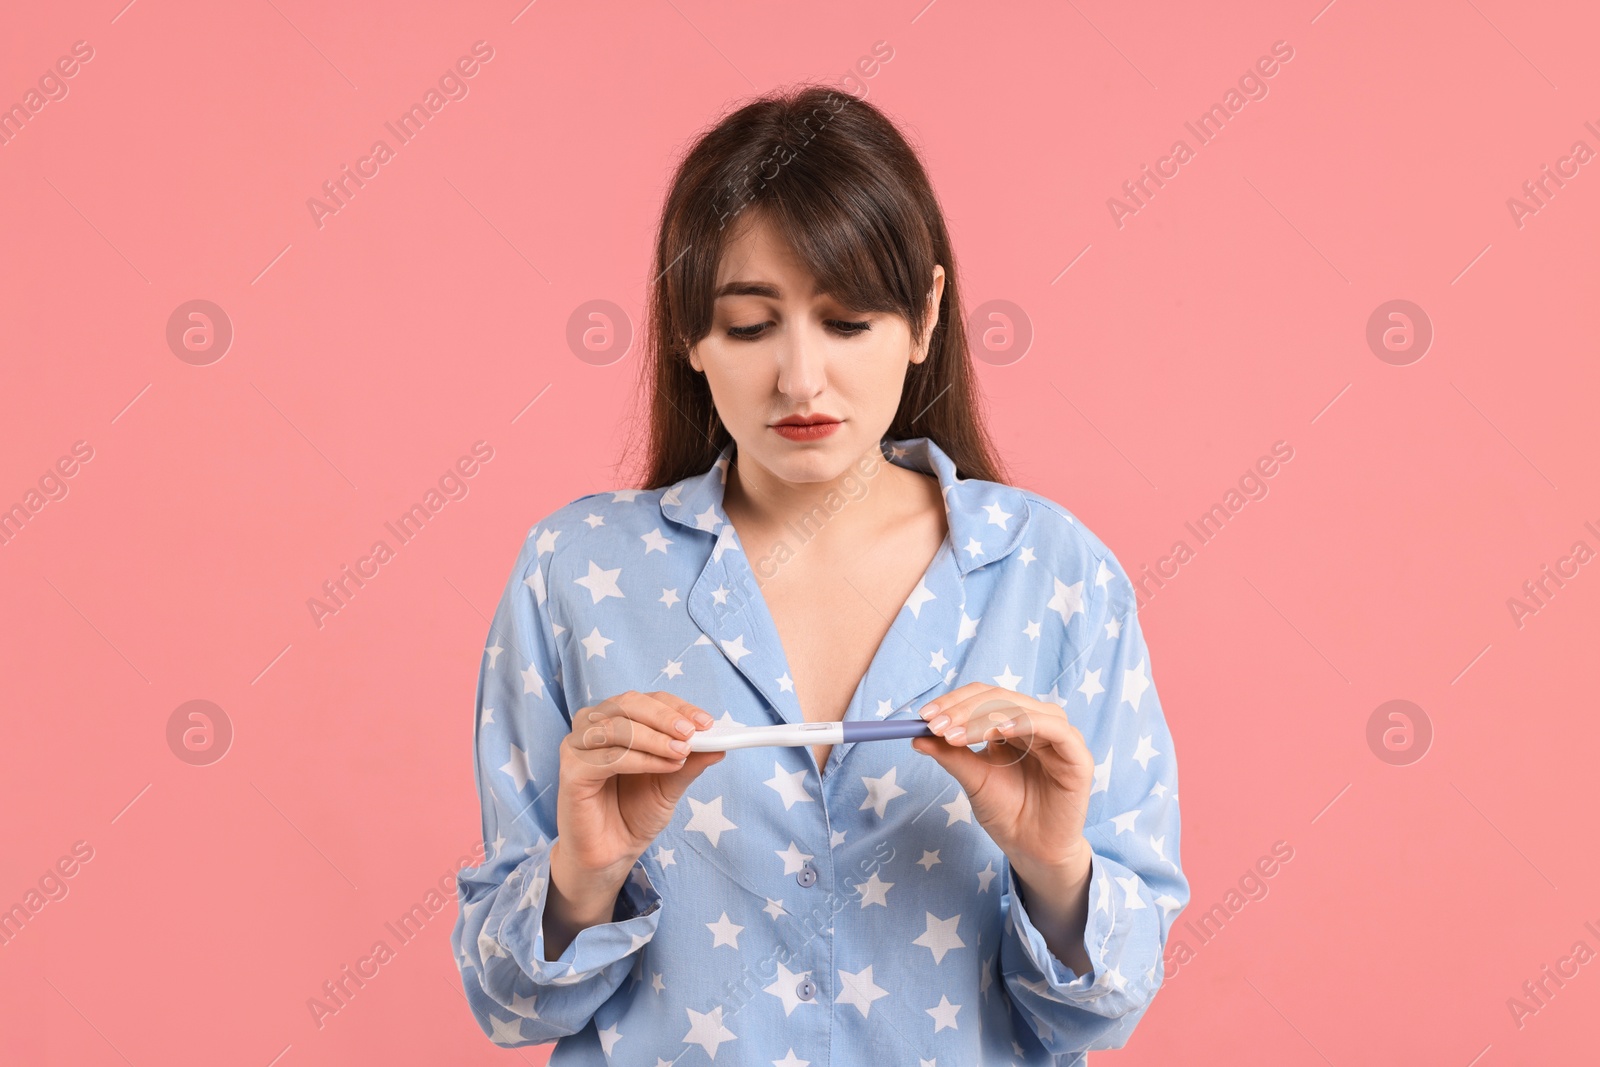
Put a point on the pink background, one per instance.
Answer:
(1229, 313)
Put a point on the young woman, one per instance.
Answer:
(824, 537)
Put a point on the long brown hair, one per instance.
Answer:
(835, 177)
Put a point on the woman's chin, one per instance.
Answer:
(821, 460)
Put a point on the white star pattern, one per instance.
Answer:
(534, 893)
(997, 516)
(724, 932)
(793, 859)
(517, 768)
(600, 583)
(707, 1031)
(880, 791)
(595, 645)
(874, 891)
(707, 519)
(726, 539)
(505, 1031)
(533, 682)
(785, 988)
(1130, 887)
(1102, 775)
(790, 786)
(523, 1006)
(944, 1014)
(959, 809)
(758, 872)
(940, 936)
(709, 820)
(859, 989)
(1068, 600)
(1134, 684)
(985, 876)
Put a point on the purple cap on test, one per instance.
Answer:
(885, 729)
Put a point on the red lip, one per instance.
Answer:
(804, 420)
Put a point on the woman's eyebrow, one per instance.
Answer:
(765, 289)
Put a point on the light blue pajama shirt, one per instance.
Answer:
(783, 918)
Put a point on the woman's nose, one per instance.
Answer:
(802, 363)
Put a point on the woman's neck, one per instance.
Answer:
(868, 496)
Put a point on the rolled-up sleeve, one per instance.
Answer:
(1136, 886)
(518, 996)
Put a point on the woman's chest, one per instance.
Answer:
(833, 616)
(811, 639)
(830, 632)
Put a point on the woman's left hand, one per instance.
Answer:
(1029, 787)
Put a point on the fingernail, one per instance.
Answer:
(957, 734)
(929, 708)
(680, 746)
(1008, 724)
(705, 720)
(683, 726)
(940, 723)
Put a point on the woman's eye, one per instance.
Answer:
(839, 326)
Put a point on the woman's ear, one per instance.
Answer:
(935, 297)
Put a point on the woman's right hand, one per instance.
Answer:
(621, 780)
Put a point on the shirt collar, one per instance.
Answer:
(986, 519)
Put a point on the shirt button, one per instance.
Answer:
(807, 876)
(806, 989)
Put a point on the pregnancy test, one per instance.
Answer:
(720, 739)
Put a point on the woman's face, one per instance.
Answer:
(778, 349)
